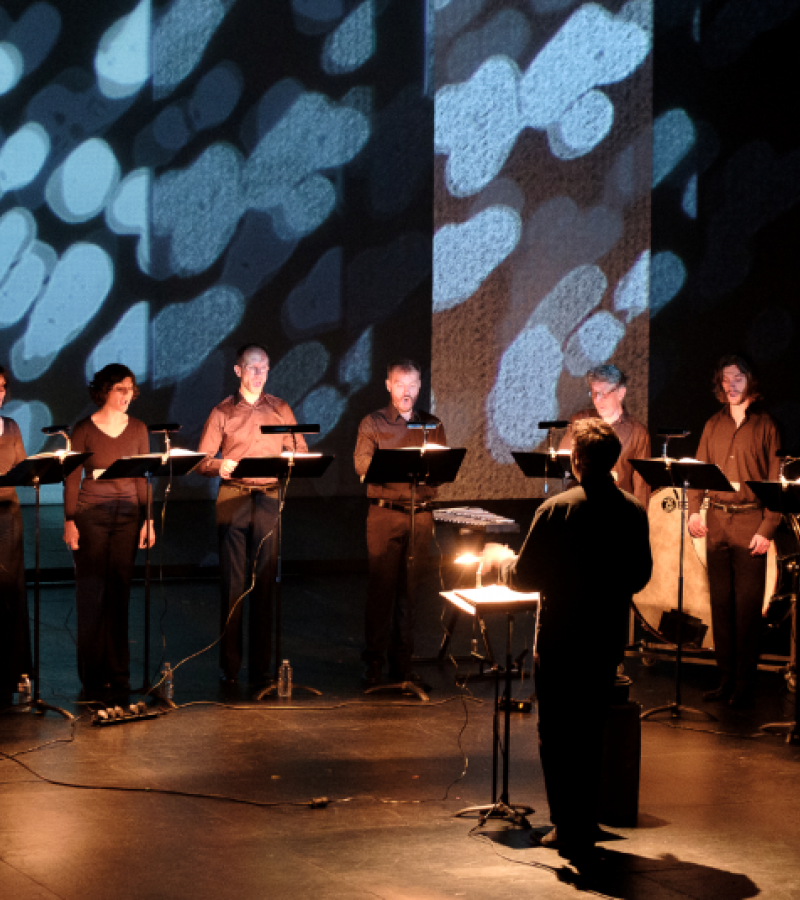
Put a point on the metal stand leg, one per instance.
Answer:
(37, 704)
(502, 808)
(676, 709)
(272, 687)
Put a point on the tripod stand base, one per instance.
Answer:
(405, 687)
(514, 813)
(272, 687)
(676, 711)
(790, 729)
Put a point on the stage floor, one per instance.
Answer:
(213, 800)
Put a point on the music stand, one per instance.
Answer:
(686, 475)
(294, 465)
(46, 468)
(490, 601)
(413, 466)
(148, 466)
(784, 497)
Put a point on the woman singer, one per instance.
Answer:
(102, 530)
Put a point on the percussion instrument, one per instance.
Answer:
(475, 520)
(660, 595)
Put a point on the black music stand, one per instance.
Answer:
(148, 466)
(784, 497)
(412, 466)
(666, 472)
(482, 602)
(289, 465)
(47, 468)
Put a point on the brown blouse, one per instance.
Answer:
(105, 450)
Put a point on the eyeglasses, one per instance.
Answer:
(601, 395)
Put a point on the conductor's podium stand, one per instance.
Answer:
(618, 803)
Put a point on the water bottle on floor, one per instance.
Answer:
(285, 680)
(24, 692)
(167, 685)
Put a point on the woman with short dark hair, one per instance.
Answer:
(15, 644)
(102, 530)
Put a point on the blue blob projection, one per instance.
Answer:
(477, 123)
(667, 277)
(673, 137)
(352, 43)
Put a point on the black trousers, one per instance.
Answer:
(573, 701)
(390, 611)
(246, 524)
(108, 535)
(15, 641)
(736, 583)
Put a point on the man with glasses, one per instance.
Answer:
(742, 439)
(247, 511)
(607, 391)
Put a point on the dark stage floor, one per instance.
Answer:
(213, 800)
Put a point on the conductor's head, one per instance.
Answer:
(595, 449)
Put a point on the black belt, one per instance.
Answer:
(734, 508)
(401, 507)
(250, 489)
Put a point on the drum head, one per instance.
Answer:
(661, 593)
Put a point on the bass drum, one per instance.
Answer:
(661, 593)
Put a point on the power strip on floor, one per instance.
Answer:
(116, 715)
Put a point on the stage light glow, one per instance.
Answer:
(324, 406)
(506, 33)
(80, 187)
(689, 199)
(465, 255)
(673, 137)
(593, 343)
(478, 122)
(296, 373)
(11, 67)
(632, 292)
(352, 43)
(126, 343)
(24, 282)
(32, 418)
(314, 305)
(195, 212)
(22, 157)
(122, 61)
(667, 277)
(355, 369)
(582, 127)
(77, 287)
(180, 38)
(524, 393)
(184, 334)
(17, 232)
(575, 296)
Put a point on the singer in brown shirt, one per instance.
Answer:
(607, 391)
(743, 440)
(389, 618)
(247, 512)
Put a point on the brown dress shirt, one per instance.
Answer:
(386, 429)
(234, 431)
(12, 451)
(105, 450)
(746, 453)
(635, 445)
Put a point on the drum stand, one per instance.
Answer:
(665, 472)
